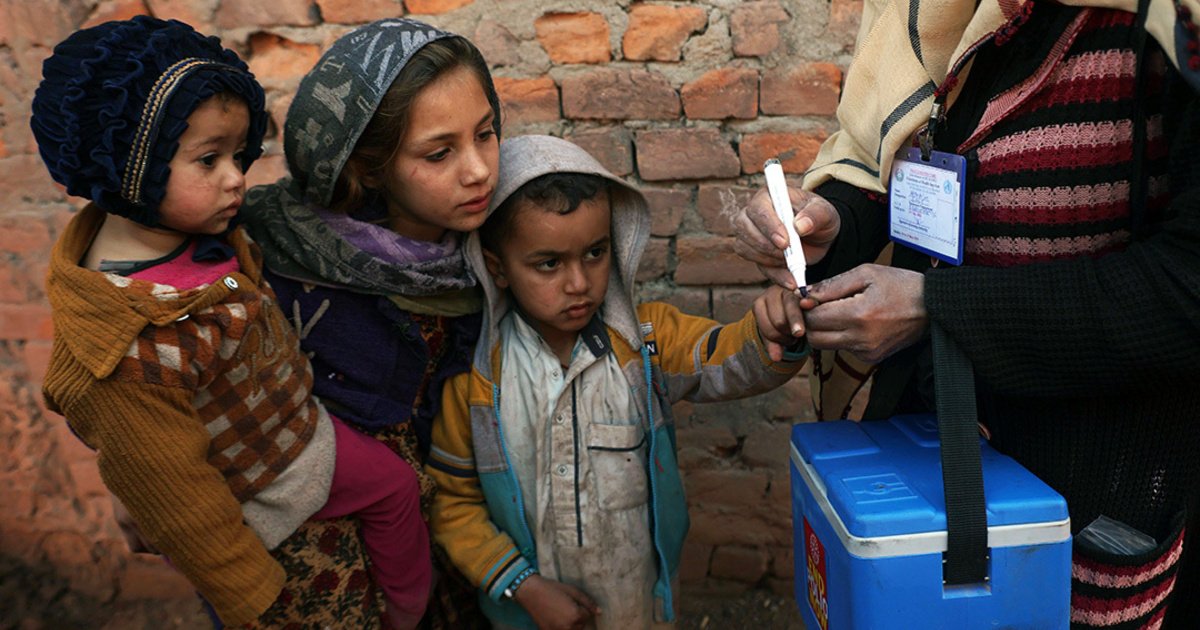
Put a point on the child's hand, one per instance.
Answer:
(779, 319)
(554, 605)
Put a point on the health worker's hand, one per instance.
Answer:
(872, 311)
(761, 238)
(780, 322)
(554, 605)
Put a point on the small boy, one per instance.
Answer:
(559, 493)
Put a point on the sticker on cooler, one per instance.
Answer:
(818, 598)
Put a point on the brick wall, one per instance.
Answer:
(686, 99)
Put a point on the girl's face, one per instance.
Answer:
(207, 183)
(444, 172)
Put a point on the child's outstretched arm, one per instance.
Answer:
(704, 361)
(459, 519)
(152, 452)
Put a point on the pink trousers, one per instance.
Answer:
(373, 483)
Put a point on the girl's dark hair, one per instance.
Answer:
(380, 140)
(553, 192)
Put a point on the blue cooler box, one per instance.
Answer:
(869, 522)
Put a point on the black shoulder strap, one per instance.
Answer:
(966, 556)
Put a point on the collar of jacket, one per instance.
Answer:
(97, 320)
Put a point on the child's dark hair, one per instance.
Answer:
(553, 192)
(380, 140)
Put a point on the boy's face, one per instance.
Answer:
(556, 265)
(444, 172)
(206, 184)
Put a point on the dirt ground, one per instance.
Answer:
(757, 610)
(35, 600)
(751, 610)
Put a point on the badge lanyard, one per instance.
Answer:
(927, 188)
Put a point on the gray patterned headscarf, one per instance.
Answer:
(332, 107)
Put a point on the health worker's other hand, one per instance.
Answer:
(871, 311)
(761, 238)
(780, 323)
(554, 605)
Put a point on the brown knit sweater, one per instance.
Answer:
(196, 401)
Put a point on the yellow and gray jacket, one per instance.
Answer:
(479, 515)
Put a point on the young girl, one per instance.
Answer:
(392, 143)
(171, 357)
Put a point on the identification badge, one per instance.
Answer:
(926, 203)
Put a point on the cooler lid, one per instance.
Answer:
(884, 479)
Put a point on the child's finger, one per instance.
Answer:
(793, 314)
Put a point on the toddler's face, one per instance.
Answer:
(444, 172)
(207, 183)
(557, 265)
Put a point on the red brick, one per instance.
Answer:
(38, 23)
(722, 93)
(717, 205)
(692, 153)
(783, 562)
(844, 19)
(793, 401)
(276, 61)
(86, 475)
(746, 527)
(23, 179)
(739, 563)
(24, 233)
(267, 169)
(116, 10)
(755, 28)
(796, 150)
(809, 89)
(667, 206)
(730, 305)
(497, 44)
(16, 285)
(611, 146)
(67, 549)
(19, 322)
(718, 440)
(434, 7)
(767, 445)
(574, 37)
(708, 260)
(70, 447)
(613, 94)
(358, 11)
(527, 100)
(36, 355)
(199, 13)
(657, 33)
(277, 105)
(149, 577)
(718, 589)
(693, 562)
(731, 489)
(654, 259)
(690, 300)
(274, 13)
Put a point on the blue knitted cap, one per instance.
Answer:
(114, 100)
